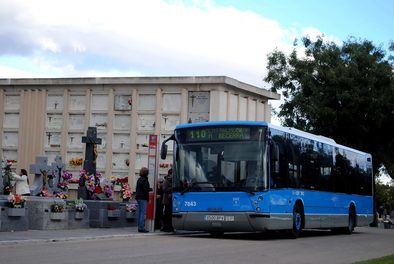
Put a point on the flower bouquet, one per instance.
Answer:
(16, 205)
(80, 207)
(67, 176)
(57, 212)
(63, 186)
(16, 201)
(131, 210)
(126, 192)
(76, 162)
(57, 208)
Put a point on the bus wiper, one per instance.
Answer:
(187, 189)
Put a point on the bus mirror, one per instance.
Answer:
(163, 151)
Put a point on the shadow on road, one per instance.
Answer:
(269, 235)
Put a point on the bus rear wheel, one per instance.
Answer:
(298, 216)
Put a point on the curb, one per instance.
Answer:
(66, 239)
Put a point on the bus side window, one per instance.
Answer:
(274, 157)
(278, 163)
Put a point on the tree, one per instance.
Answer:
(344, 92)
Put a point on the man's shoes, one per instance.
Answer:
(143, 231)
(167, 230)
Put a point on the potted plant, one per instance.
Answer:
(16, 205)
(131, 210)
(113, 212)
(57, 212)
(80, 207)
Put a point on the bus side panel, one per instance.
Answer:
(321, 209)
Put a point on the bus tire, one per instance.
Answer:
(216, 233)
(298, 220)
(351, 220)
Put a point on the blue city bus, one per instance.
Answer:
(246, 176)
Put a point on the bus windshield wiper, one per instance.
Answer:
(193, 184)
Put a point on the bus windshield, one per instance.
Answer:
(221, 160)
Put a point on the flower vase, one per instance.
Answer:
(130, 215)
(113, 213)
(79, 215)
(57, 216)
(16, 212)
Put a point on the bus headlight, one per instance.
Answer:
(258, 209)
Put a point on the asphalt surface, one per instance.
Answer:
(127, 246)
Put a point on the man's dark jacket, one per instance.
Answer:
(142, 189)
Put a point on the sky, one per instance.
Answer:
(73, 38)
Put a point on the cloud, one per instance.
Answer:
(152, 37)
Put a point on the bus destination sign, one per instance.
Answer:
(217, 134)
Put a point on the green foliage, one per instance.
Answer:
(384, 260)
(343, 92)
(384, 196)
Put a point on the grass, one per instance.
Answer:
(384, 260)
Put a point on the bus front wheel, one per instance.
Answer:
(298, 216)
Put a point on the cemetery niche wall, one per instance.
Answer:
(123, 111)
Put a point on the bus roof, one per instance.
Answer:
(290, 130)
(319, 138)
(222, 123)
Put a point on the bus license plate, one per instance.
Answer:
(221, 218)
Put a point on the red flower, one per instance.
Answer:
(97, 189)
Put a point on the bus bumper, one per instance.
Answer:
(231, 221)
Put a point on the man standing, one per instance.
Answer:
(167, 202)
(142, 197)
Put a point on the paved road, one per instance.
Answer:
(313, 247)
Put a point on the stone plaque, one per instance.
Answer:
(10, 139)
(74, 140)
(55, 102)
(198, 106)
(53, 139)
(76, 121)
(121, 142)
(123, 102)
(72, 155)
(122, 122)
(141, 160)
(146, 122)
(54, 121)
(101, 160)
(199, 102)
(100, 102)
(11, 121)
(121, 174)
(169, 122)
(147, 102)
(51, 155)
(103, 137)
(12, 102)
(119, 161)
(77, 102)
(10, 154)
(99, 121)
(172, 103)
(142, 142)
